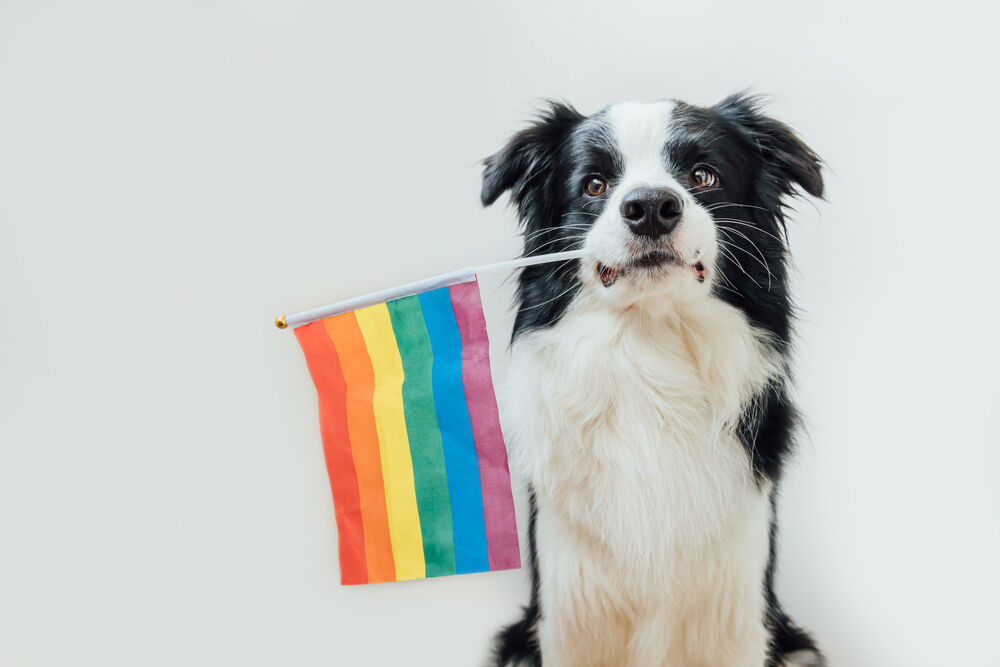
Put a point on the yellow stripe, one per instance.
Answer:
(394, 445)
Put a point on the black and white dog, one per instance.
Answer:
(648, 404)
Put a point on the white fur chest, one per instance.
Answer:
(652, 533)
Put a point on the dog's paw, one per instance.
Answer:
(804, 659)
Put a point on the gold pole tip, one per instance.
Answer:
(280, 323)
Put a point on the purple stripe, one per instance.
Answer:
(494, 476)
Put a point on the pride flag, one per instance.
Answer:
(411, 436)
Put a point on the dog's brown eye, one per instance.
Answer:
(595, 186)
(703, 177)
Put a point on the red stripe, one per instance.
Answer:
(324, 366)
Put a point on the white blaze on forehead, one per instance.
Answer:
(641, 132)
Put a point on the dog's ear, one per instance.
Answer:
(787, 160)
(529, 156)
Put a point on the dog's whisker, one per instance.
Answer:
(554, 230)
(568, 239)
(759, 261)
(723, 248)
(726, 204)
(744, 223)
(725, 284)
(555, 298)
(762, 260)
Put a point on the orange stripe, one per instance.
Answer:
(345, 333)
(324, 366)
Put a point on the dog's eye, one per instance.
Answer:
(595, 186)
(703, 177)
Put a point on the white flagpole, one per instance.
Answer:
(409, 289)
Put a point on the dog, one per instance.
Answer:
(648, 403)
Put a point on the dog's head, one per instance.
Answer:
(670, 202)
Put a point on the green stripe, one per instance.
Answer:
(426, 450)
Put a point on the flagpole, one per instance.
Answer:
(416, 287)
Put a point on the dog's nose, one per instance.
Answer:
(652, 212)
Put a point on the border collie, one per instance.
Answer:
(648, 405)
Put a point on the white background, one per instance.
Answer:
(174, 174)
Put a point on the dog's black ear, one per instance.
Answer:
(788, 161)
(529, 155)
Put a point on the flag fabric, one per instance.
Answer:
(411, 436)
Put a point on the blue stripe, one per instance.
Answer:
(461, 463)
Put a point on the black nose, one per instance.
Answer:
(652, 212)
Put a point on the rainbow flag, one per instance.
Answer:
(411, 436)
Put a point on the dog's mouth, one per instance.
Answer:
(650, 262)
(608, 274)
